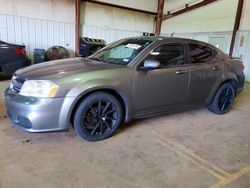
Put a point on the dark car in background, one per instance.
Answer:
(129, 79)
(12, 57)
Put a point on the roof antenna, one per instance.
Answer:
(172, 34)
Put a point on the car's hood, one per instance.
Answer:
(62, 68)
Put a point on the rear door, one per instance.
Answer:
(205, 70)
(166, 86)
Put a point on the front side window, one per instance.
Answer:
(121, 52)
(169, 55)
(200, 54)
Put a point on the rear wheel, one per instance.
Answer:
(223, 100)
(98, 116)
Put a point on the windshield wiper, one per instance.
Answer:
(101, 60)
(96, 59)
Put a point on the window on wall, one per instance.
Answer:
(200, 54)
(169, 55)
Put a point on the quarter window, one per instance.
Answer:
(168, 55)
(200, 54)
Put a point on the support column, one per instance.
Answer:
(236, 25)
(159, 17)
(77, 26)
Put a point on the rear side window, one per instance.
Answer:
(169, 55)
(200, 54)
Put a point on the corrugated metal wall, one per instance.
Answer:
(37, 33)
(107, 33)
(112, 24)
(51, 22)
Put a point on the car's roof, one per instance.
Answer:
(168, 39)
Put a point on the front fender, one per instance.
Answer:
(84, 88)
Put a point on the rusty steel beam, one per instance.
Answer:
(159, 17)
(188, 8)
(120, 6)
(77, 26)
(236, 25)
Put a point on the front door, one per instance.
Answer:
(166, 86)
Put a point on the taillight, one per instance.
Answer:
(241, 67)
(20, 51)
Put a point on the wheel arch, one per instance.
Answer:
(120, 97)
(232, 79)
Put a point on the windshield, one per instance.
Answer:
(121, 52)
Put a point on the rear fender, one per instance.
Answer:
(224, 78)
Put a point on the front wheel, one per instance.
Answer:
(98, 116)
(223, 99)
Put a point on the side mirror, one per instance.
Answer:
(150, 64)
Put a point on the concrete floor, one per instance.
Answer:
(192, 149)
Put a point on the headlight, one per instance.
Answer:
(39, 88)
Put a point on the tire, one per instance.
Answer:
(97, 117)
(223, 99)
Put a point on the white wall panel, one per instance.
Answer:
(242, 50)
(63, 10)
(111, 24)
(149, 5)
(108, 34)
(207, 37)
(38, 23)
(36, 33)
(7, 7)
(56, 10)
(246, 59)
(218, 16)
(104, 16)
(245, 22)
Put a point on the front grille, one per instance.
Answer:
(16, 84)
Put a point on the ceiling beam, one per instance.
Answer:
(159, 17)
(236, 25)
(187, 8)
(121, 7)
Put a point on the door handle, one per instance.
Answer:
(216, 68)
(181, 72)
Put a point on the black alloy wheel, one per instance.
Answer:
(97, 117)
(223, 99)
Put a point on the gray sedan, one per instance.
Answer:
(128, 79)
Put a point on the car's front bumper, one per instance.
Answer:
(38, 114)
